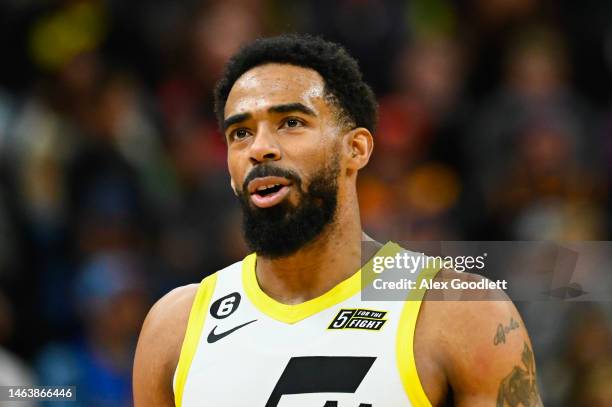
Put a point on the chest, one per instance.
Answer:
(343, 355)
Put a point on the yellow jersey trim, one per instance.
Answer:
(406, 362)
(292, 313)
(197, 317)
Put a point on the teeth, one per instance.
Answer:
(263, 188)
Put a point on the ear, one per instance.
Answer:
(358, 145)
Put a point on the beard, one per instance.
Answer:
(285, 228)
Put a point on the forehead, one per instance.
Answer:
(273, 84)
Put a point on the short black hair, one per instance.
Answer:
(344, 84)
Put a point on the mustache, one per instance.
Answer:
(267, 170)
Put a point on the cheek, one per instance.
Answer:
(311, 161)
(311, 151)
(305, 161)
(236, 172)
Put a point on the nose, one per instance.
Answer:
(264, 147)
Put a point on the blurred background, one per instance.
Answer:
(495, 124)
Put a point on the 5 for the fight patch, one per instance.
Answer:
(358, 318)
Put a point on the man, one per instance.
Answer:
(287, 326)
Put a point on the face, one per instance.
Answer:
(284, 143)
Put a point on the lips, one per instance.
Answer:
(268, 191)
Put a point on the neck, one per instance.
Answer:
(331, 258)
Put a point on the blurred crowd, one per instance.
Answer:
(495, 124)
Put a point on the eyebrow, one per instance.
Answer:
(284, 108)
(292, 107)
(237, 118)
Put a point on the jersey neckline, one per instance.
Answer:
(292, 313)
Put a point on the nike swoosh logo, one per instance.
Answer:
(214, 337)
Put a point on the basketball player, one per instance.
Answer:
(286, 326)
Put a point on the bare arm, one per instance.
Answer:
(159, 348)
(483, 351)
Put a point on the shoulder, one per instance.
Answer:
(166, 322)
(477, 334)
(159, 345)
(467, 298)
(469, 315)
(164, 327)
(172, 310)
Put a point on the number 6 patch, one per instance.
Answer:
(225, 306)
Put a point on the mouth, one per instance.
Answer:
(268, 191)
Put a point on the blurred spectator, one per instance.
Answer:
(549, 195)
(110, 296)
(418, 144)
(531, 154)
(589, 357)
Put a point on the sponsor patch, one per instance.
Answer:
(358, 318)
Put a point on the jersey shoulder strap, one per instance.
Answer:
(195, 324)
(404, 350)
(197, 317)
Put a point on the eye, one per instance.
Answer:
(292, 122)
(239, 134)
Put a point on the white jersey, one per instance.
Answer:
(243, 348)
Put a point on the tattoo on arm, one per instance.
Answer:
(500, 334)
(519, 388)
